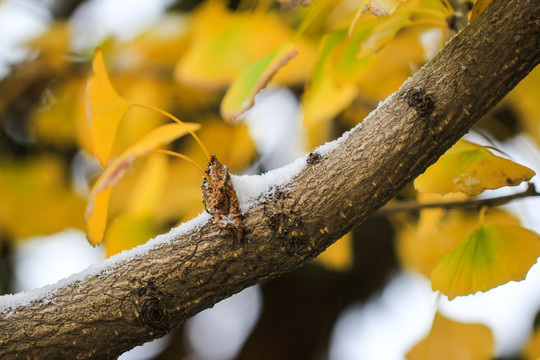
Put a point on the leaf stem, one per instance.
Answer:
(174, 118)
(476, 203)
(183, 157)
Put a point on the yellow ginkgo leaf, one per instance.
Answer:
(478, 7)
(450, 340)
(241, 94)
(98, 200)
(339, 256)
(491, 256)
(127, 231)
(423, 243)
(105, 109)
(471, 169)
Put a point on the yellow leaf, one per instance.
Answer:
(40, 182)
(471, 169)
(491, 256)
(451, 340)
(423, 244)
(531, 351)
(339, 256)
(128, 231)
(98, 199)
(225, 42)
(54, 121)
(478, 7)
(241, 94)
(150, 184)
(105, 109)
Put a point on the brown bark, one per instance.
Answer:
(135, 301)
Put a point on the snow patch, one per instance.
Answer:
(251, 188)
(9, 303)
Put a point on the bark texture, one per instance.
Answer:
(136, 301)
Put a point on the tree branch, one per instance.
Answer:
(464, 204)
(134, 298)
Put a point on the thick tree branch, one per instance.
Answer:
(127, 301)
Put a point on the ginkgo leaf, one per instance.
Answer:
(339, 256)
(491, 256)
(450, 340)
(241, 94)
(219, 53)
(98, 200)
(471, 169)
(105, 109)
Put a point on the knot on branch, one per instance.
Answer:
(154, 315)
(314, 158)
(419, 100)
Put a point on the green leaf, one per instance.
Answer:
(241, 94)
(491, 256)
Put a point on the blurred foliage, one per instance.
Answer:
(205, 62)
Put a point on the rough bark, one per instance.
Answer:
(135, 301)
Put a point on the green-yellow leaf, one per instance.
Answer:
(98, 200)
(471, 169)
(105, 109)
(241, 94)
(451, 340)
(491, 256)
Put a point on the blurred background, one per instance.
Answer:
(361, 299)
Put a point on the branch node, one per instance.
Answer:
(154, 315)
(419, 100)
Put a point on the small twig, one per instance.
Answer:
(465, 204)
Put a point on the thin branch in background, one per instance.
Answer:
(465, 204)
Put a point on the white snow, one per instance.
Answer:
(252, 188)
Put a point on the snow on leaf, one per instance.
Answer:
(241, 94)
(471, 169)
(98, 200)
(383, 7)
(491, 256)
(450, 340)
(105, 109)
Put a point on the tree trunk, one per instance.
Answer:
(134, 298)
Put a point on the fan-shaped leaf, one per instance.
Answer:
(98, 200)
(471, 169)
(105, 109)
(491, 256)
(451, 340)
